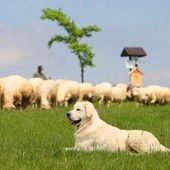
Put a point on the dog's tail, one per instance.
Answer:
(164, 149)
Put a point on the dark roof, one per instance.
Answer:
(133, 51)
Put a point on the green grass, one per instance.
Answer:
(35, 139)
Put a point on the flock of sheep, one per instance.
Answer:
(19, 92)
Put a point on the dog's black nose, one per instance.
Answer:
(68, 114)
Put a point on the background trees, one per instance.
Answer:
(73, 40)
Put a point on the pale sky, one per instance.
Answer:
(124, 23)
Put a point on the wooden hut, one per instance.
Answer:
(135, 76)
(134, 53)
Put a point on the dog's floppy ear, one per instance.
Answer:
(89, 108)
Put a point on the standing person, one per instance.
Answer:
(39, 73)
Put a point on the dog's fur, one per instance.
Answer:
(92, 133)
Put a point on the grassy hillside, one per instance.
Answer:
(35, 139)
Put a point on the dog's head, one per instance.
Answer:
(81, 113)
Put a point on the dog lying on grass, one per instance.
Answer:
(92, 133)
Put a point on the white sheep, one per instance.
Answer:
(123, 86)
(152, 94)
(156, 94)
(48, 93)
(2, 91)
(68, 92)
(18, 92)
(118, 94)
(129, 89)
(138, 95)
(61, 80)
(102, 92)
(36, 83)
(166, 95)
(86, 91)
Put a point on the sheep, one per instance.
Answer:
(102, 92)
(152, 94)
(129, 91)
(26, 91)
(2, 90)
(48, 93)
(122, 86)
(68, 92)
(156, 94)
(86, 91)
(61, 80)
(18, 92)
(166, 95)
(138, 93)
(118, 94)
(36, 83)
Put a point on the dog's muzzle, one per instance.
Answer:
(73, 122)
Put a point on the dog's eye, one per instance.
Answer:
(78, 109)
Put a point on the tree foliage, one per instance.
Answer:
(73, 39)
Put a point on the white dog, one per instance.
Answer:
(92, 133)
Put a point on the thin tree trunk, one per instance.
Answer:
(82, 69)
(82, 74)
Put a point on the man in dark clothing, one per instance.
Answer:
(39, 73)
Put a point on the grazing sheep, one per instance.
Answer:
(2, 91)
(129, 91)
(26, 91)
(48, 93)
(61, 80)
(122, 86)
(155, 94)
(102, 92)
(152, 94)
(86, 91)
(118, 94)
(18, 92)
(166, 95)
(36, 83)
(138, 93)
(68, 92)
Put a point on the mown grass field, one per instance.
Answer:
(35, 139)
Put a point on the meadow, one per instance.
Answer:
(34, 139)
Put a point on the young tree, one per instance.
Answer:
(75, 34)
